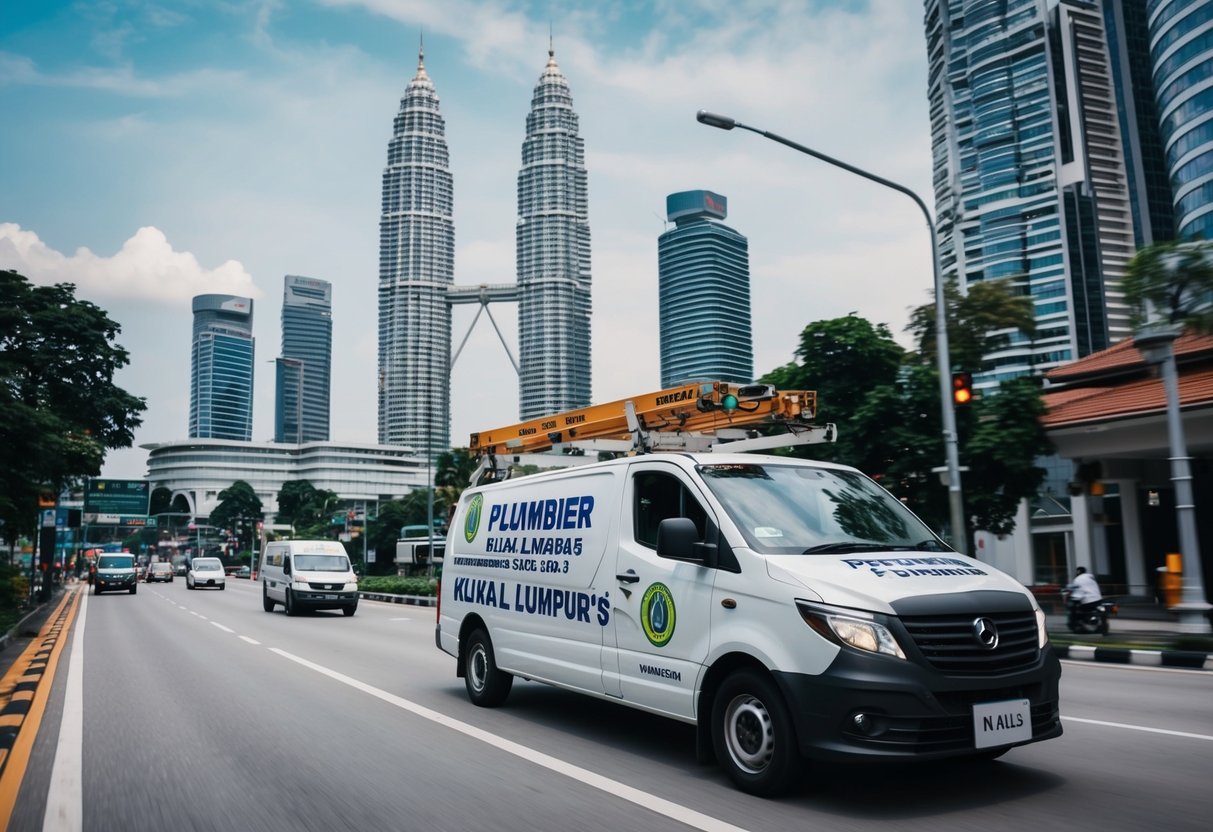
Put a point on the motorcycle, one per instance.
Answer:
(1090, 618)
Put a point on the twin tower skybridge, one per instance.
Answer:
(484, 294)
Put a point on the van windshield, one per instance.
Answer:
(802, 509)
(322, 563)
(116, 562)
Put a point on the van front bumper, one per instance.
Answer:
(912, 711)
(324, 599)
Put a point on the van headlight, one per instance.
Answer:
(851, 629)
(1042, 634)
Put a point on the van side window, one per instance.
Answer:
(659, 496)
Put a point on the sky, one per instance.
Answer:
(154, 151)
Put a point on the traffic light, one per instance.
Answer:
(962, 388)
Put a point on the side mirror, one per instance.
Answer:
(678, 539)
(286, 566)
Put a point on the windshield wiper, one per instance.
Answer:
(845, 546)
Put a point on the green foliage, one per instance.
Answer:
(306, 508)
(239, 509)
(396, 585)
(59, 408)
(1176, 280)
(14, 593)
(886, 403)
(979, 322)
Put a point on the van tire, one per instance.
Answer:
(291, 607)
(266, 603)
(753, 736)
(134, 589)
(486, 685)
(349, 610)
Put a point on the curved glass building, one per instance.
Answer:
(553, 254)
(221, 371)
(703, 269)
(416, 266)
(1181, 50)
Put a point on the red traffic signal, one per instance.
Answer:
(962, 388)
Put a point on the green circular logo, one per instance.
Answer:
(657, 615)
(471, 523)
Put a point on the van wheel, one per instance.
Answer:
(349, 610)
(487, 686)
(753, 735)
(266, 603)
(134, 589)
(291, 606)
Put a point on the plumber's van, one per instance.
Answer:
(792, 610)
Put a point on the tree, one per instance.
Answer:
(59, 408)
(843, 360)
(1175, 279)
(454, 474)
(239, 509)
(886, 404)
(980, 321)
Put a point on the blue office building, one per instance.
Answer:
(221, 376)
(1181, 50)
(703, 269)
(1029, 165)
(303, 373)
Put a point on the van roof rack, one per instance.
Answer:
(697, 416)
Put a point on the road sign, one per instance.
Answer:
(129, 497)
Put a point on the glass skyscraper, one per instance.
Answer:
(553, 254)
(1181, 50)
(1029, 168)
(221, 373)
(703, 269)
(416, 267)
(306, 362)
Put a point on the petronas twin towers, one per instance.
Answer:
(417, 256)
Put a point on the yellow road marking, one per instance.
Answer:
(15, 760)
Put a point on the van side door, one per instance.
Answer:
(661, 607)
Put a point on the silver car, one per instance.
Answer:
(205, 572)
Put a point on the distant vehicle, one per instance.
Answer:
(205, 572)
(242, 572)
(115, 572)
(159, 572)
(307, 575)
(180, 565)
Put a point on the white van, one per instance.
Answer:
(792, 610)
(307, 575)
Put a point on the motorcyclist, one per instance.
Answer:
(1083, 603)
(1084, 589)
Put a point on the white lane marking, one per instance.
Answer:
(64, 798)
(400, 619)
(669, 809)
(180, 607)
(1138, 728)
(221, 627)
(250, 640)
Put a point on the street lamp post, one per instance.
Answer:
(955, 501)
(1155, 344)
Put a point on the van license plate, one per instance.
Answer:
(1002, 723)
(328, 597)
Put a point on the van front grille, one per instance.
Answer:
(949, 644)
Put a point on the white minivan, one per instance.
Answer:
(792, 610)
(307, 575)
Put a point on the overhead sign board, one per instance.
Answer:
(129, 497)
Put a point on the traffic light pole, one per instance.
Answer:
(960, 535)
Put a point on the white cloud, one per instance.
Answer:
(145, 268)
